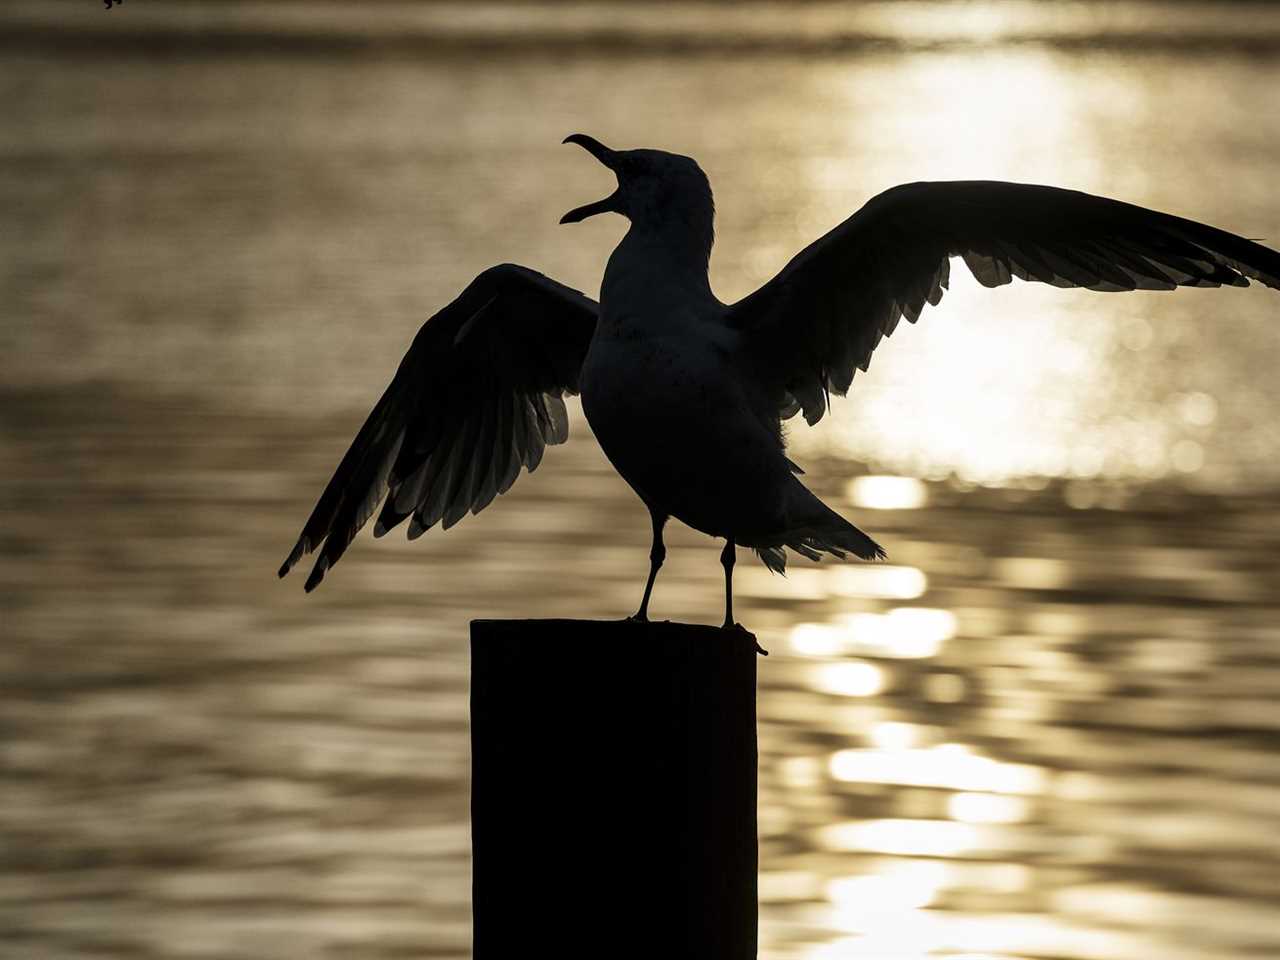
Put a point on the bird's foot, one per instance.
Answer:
(728, 625)
(638, 617)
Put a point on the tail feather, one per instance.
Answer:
(775, 558)
(815, 530)
(839, 542)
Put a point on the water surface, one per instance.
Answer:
(1047, 728)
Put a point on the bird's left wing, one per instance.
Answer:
(809, 328)
(477, 397)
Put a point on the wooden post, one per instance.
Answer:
(613, 790)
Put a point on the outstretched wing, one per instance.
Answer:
(809, 328)
(477, 396)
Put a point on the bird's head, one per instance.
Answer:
(655, 188)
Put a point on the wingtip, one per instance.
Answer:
(295, 555)
(317, 574)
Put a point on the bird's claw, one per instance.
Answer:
(727, 625)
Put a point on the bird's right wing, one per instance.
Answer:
(477, 397)
(815, 323)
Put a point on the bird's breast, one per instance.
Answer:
(638, 380)
(672, 414)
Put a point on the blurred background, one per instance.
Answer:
(1048, 727)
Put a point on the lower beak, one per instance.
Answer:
(608, 205)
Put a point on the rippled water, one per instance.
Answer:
(1049, 727)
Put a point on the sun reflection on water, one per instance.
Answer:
(888, 493)
(877, 580)
(987, 808)
(896, 735)
(957, 806)
(902, 837)
(1023, 381)
(948, 766)
(855, 678)
(904, 885)
(903, 633)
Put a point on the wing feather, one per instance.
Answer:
(507, 466)
(478, 395)
(818, 321)
(455, 500)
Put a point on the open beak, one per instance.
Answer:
(611, 203)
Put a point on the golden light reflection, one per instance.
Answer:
(907, 934)
(870, 899)
(816, 640)
(903, 633)
(800, 773)
(1026, 934)
(949, 766)
(879, 581)
(987, 808)
(1019, 381)
(1031, 573)
(904, 838)
(849, 679)
(860, 948)
(774, 886)
(1006, 878)
(921, 935)
(1187, 456)
(800, 583)
(979, 393)
(1197, 408)
(895, 735)
(1081, 786)
(885, 908)
(887, 493)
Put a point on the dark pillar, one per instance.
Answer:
(613, 790)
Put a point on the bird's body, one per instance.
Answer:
(636, 393)
(664, 399)
(685, 394)
(669, 393)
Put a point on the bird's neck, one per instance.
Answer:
(655, 262)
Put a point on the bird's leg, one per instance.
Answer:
(727, 558)
(657, 553)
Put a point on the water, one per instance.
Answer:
(1047, 728)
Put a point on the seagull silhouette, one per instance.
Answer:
(686, 394)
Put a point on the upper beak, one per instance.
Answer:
(611, 203)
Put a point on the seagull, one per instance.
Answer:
(686, 394)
